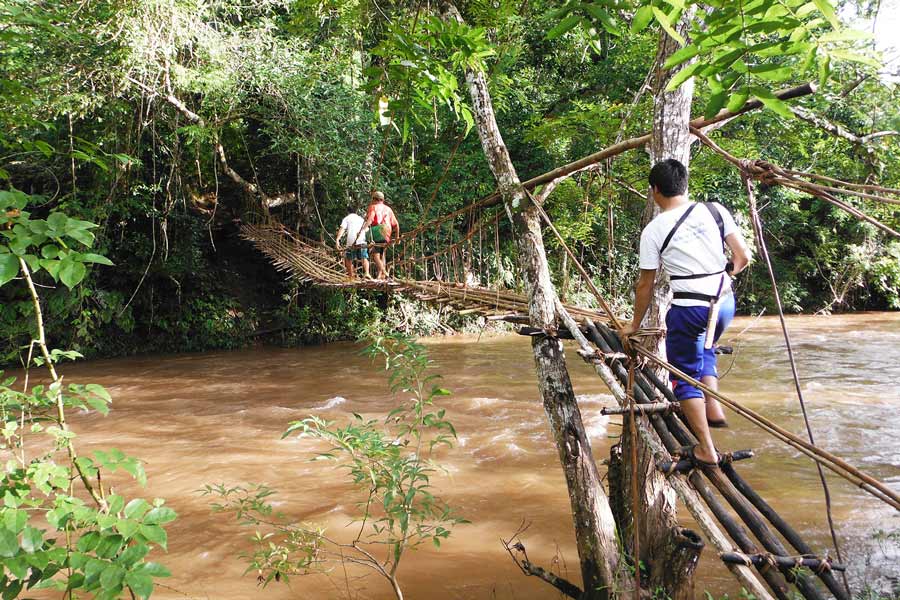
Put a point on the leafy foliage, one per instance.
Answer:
(50, 536)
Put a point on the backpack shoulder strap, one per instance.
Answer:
(675, 228)
(718, 218)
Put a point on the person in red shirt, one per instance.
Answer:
(382, 223)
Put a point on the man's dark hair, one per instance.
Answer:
(670, 177)
(351, 208)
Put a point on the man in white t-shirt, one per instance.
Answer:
(688, 241)
(356, 249)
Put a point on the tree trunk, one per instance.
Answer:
(594, 524)
(670, 566)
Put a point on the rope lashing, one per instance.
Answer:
(760, 170)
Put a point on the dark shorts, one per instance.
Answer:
(685, 338)
(357, 253)
(377, 250)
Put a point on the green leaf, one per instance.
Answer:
(9, 543)
(72, 273)
(826, 9)
(98, 390)
(771, 102)
(854, 57)
(155, 534)
(824, 69)
(845, 35)
(772, 72)
(666, 24)
(127, 527)
(600, 13)
(52, 267)
(160, 515)
(137, 508)
(141, 585)
(97, 404)
(738, 99)
(95, 258)
(9, 267)
(683, 75)
(50, 251)
(683, 55)
(112, 576)
(45, 148)
(32, 539)
(18, 567)
(641, 19)
(715, 104)
(33, 262)
(82, 235)
(88, 541)
(563, 26)
(109, 546)
(153, 570)
(58, 221)
(132, 554)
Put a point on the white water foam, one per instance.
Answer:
(336, 401)
(596, 427)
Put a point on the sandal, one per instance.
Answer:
(717, 423)
(703, 464)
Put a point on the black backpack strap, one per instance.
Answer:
(675, 228)
(718, 218)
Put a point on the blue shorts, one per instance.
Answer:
(357, 253)
(685, 339)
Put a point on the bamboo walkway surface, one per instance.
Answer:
(317, 264)
(760, 548)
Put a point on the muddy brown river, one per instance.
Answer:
(218, 417)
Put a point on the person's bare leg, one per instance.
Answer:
(714, 410)
(694, 410)
(366, 272)
(379, 262)
(348, 264)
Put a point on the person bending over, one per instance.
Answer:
(356, 249)
(382, 222)
(688, 240)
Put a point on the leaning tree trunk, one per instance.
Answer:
(594, 524)
(670, 565)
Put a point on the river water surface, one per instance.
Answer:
(218, 417)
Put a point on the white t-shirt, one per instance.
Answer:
(353, 223)
(695, 248)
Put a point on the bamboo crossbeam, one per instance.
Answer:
(641, 409)
(810, 562)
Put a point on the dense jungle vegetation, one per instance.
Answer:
(316, 102)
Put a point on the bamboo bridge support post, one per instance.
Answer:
(595, 530)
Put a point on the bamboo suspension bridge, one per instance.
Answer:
(456, 260)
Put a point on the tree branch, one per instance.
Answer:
(838, 130)
(514, 545)
(248, 187)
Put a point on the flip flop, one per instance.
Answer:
(718, 423)
(703, 464)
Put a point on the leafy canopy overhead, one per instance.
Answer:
(739, 49)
